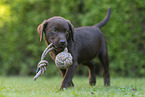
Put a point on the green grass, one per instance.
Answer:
(48, 87)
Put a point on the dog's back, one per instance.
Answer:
(90, 39)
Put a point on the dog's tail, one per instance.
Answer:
(106, 19)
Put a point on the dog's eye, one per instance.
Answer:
(53, 31)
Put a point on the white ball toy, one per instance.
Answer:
(64, 59)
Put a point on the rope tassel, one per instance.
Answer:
(41, 67)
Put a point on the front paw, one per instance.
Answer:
(65, 86)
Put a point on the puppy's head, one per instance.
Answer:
(57, 31)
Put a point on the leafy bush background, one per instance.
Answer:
(20, 49)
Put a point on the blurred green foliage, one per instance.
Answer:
(20, 49)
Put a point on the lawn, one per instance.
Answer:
(48, 87)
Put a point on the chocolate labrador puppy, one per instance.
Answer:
(84, 43)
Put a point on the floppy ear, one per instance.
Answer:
(71, 28)
(41, 28)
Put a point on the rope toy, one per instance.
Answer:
(63, 60)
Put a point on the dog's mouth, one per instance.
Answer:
(59, 48)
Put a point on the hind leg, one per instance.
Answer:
(92, 76)
(103, 57)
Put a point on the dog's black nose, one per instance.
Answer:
(62, 42)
